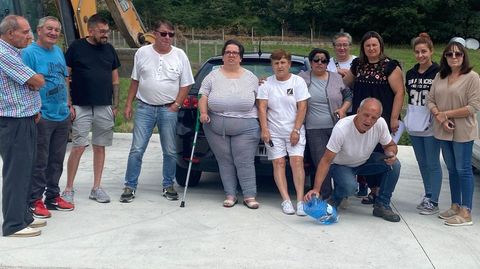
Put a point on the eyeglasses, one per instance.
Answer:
(342, 45)
(104, 31)
(164, 34)
(323, 61)
(457, 54)
(233, 53)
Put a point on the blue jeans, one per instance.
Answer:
(345, 181)
(458, 158)
(146, 118)
(427, 152)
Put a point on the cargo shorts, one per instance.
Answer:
(98, 119)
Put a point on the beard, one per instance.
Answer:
(100, 41)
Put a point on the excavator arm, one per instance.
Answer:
(74, 15)
(129, 23)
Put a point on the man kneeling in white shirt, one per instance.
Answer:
(350, 153)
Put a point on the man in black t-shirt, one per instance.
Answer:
(93, 66)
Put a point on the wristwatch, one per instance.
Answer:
(178, 105)
(296, 131)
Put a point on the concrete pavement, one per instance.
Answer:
(152, 232)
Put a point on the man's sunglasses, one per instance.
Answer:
(323, 61)
(164, 34)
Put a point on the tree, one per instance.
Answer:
(396, 21)
(310, 10)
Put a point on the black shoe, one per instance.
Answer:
(386, 213)
(170, 193)
(362, 190)
(332, 202)
(370, 199)
(127, 195)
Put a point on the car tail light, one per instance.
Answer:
(195, 160)
(191, 102)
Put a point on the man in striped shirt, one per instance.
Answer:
(19, 107)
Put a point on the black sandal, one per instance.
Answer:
(370, 199)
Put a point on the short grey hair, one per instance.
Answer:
(342, 34)
(42, 21)
(9, 23)
(371, 99)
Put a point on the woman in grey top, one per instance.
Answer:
(330, 99)
(229, 117)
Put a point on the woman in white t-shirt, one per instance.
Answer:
(282, 105)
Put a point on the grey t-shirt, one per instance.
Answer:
(318, 113)
(231, 97)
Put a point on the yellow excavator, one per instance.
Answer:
(75, 13)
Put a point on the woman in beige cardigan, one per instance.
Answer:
(454, 99)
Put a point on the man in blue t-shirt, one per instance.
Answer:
(45, 58)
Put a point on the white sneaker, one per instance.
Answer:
(37, 223)
(287, 207)
(300, 211)
(27, 232)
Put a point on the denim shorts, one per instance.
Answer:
(98, 119)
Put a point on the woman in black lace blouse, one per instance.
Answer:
(373, 74)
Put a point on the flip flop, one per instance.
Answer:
(230, 202)
(251, 203)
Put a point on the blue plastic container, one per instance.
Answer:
(321, 211)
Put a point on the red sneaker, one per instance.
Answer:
(39, 210)
(58, 203)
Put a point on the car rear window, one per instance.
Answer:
(260, 67)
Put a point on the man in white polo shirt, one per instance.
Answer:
(161, 78)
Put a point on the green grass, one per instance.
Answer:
(121, 124)
(403, 54)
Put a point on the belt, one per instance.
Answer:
(164, 105)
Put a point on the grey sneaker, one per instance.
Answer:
(423, 203)
(385, 212)
(170, 193)
(127, 195)
(429, 209)
(68, 196)
(344, 204)
(99, 195)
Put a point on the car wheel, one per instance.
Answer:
(181, 177)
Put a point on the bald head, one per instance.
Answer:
(9, 23)
(371, 103)
(369, 111)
